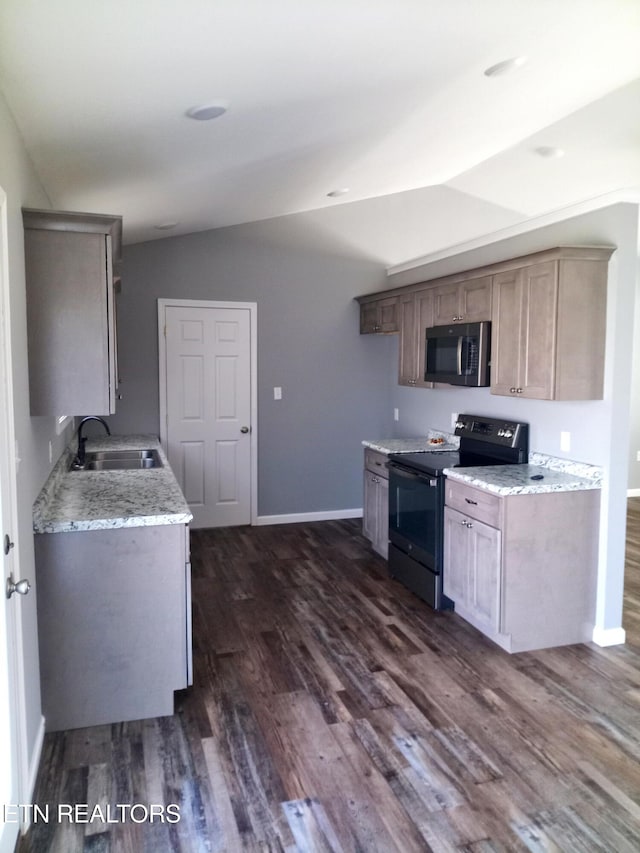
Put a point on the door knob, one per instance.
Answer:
(22, 587)
(244, 429)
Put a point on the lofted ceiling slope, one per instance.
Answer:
(379, 97)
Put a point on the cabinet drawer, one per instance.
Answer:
(376, 462)
(475, 503)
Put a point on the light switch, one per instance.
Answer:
(277, 393)
(565, 441)
(396, 414)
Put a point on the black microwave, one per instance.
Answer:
(458, 354)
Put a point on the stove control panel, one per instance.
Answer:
(493, 430)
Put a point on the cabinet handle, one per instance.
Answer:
(469, 501)
(518, 390)
(469, 524)
(512, 390)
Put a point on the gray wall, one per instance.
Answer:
(600, 429)
(336, 384)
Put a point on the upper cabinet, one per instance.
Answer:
(548, 321)
(378, 316)
(70, 261)
(548, 326)
(462, 302)
(415, 311)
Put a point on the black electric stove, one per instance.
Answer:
(416, 498)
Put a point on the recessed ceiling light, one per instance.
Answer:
(550, 152)
(206, 112)
(165, 226)
(338, 193)
(505, 67)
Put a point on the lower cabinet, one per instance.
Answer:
(375, 516)
(114, 623)
(522, 568)
(472, 578)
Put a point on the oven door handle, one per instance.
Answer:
(460, 355)
(411, 475)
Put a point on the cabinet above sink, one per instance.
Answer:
(71, 262)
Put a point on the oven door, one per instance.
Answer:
(416, 515)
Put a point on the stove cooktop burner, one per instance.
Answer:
(434, 462)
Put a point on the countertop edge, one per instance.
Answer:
(47, 520)
(571, 484)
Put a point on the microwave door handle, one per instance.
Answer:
(459, 356)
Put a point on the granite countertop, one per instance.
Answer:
(415, 445)
(558, 475)
(99, 500)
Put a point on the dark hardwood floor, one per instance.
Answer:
(333, 711)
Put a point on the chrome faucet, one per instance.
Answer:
(80, 455)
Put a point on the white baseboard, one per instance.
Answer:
(32, 775)
(294, 518)
(608, 636)
(633, 493)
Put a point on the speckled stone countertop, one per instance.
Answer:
(415, 445)
(100, 500)
(558, 475)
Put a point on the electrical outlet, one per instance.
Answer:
(565, 441)
(396, 414)
(454, 419)
(277, 393)
(50, 453)
(638, 456)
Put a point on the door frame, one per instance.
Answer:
(252, 307)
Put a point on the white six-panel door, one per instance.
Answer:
(208, 407)
(13, 770)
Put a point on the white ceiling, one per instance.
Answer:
(381, 96)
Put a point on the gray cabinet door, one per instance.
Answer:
(369, 511)
(462, 302)
(507, 326)
(455, 583)
(416, 315)
(548, 330)
(114, 617)
(473, 553)
(70, 313)
(379, 316)
(524, 331)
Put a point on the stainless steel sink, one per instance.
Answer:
(120, 460)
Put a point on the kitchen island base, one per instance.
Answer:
(114, 623)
